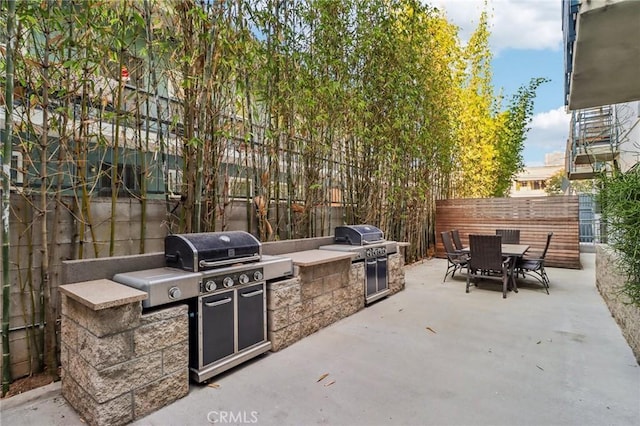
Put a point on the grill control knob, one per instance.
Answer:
(174, 293)
(257, 275)
(210, 285)
(243, 279)
(227, 282)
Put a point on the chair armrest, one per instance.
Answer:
(458, 255)
(532, 259)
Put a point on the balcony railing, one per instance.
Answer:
(593, 142)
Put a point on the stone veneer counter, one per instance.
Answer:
(102, 294)
(317, 257)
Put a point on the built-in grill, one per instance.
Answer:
(222, 277)
(369, 246)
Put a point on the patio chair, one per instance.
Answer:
(509, 236)
(486, 255)
(456, 240)
(534, 266)
(455, 260)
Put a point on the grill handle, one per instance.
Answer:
(253, 293)
(365, 242)
(218, 303)
(207, 264)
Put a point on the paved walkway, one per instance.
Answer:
(430, 355)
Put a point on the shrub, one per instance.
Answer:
(619, 198)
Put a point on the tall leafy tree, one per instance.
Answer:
(476, 134)
(512, 133)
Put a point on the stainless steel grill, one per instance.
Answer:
(207, 250)
(370, 247)
(222, 277)
(358, 235)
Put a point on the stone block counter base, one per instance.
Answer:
(327, 287)
(117, 363)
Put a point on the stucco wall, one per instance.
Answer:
(608, 281)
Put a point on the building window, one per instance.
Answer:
(128, 180)
(174, 183)
(17, 176)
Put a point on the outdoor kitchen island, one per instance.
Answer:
(327, 286)
(121, 361)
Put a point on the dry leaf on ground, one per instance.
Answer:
(213, 385)
(324, 376)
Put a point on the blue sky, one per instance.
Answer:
(526, 42)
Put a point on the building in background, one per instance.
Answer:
(533, 181)
(602, 88)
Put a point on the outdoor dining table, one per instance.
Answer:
(514, 251)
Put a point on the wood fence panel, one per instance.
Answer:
(534, 216)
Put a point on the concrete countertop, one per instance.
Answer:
(102, 294)
(317, 257)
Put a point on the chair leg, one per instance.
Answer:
(545, 279)
(447, 273)
(505, 280)
(540, 275)
(468, 279)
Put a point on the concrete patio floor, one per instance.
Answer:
(429, 355)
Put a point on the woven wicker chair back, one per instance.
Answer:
(509, 236)
(486, 252)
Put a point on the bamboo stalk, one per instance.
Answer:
(154, 84)
(115, 154)
(50, 319)
(6, 200)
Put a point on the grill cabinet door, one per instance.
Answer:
(251, 315)
(371, 279)
(217, 326)
(381, 272)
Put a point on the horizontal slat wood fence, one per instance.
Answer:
(533, 216)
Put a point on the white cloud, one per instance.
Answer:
(514, 24)
(550, 119)
(548, 133)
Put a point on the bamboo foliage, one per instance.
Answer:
(311, 113)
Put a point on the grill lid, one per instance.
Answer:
(205, 250)
(358, 235)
